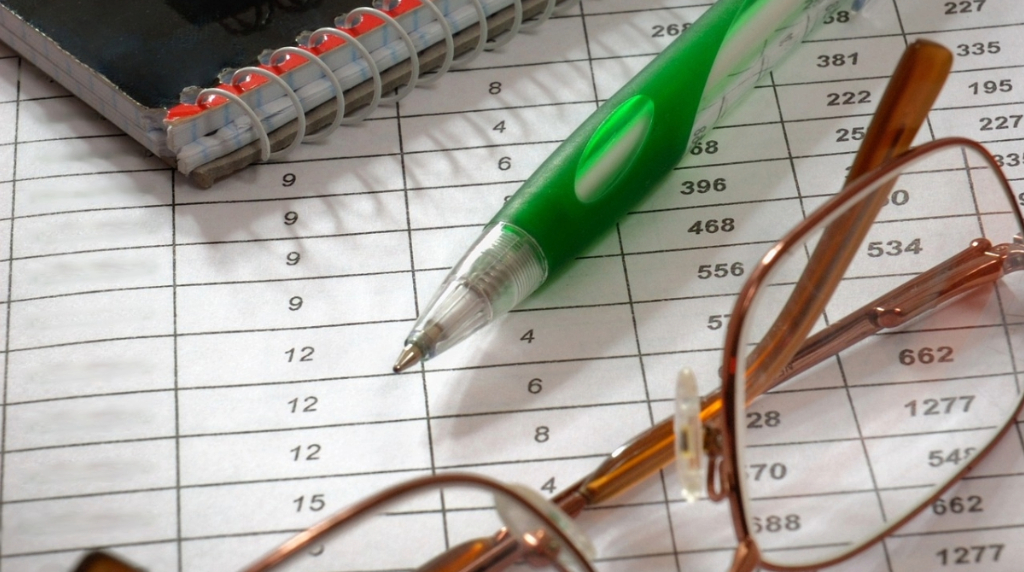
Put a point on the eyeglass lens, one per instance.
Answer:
(834, 456)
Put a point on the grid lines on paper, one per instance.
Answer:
(242, 337)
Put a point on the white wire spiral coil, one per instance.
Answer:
(310, 40)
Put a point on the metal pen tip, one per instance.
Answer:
(410, 356)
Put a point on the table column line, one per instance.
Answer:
(665, 502)
(174, 348)
(416, 309)
(7, 309)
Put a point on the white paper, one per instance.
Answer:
(169, 349)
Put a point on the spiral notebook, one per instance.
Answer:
(141, 64)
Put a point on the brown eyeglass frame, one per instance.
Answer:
(913, 89)
(726, 460)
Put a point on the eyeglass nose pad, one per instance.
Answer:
(524, 524)
(689, 435)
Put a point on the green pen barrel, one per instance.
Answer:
(621, 152)
(611, 162)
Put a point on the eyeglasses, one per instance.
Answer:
(889, 371)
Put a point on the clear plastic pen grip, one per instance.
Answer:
(503, 267)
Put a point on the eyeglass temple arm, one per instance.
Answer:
(979, 264)
(653, 449)
(915, 84)
(913, 89)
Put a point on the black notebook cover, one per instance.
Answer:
(152, 49)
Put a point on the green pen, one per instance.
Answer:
(612, 161)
